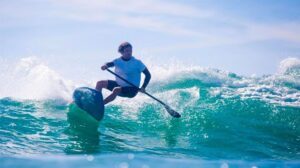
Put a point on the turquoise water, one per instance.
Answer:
(227, 121)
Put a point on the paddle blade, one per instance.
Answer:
(172, 112)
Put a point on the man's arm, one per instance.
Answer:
(110, 64)
(147, 79)
(107, 65)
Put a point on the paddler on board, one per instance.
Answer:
(129, 68)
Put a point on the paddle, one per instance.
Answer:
(172, 112)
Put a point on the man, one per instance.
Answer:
(128, 67)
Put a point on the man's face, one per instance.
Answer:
(127, 52)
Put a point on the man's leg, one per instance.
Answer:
(113, 95)
(101, 84)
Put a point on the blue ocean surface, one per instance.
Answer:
(227, 120)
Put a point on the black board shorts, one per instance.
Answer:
(127, 91)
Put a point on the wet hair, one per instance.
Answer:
(123, 46)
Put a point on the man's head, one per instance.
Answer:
(126, 50)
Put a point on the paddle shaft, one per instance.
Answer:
(136, 87)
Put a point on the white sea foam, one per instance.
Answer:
(280, 88)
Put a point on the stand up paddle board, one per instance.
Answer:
(90, 101)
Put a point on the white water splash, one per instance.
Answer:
(30, 78)
(290, 66)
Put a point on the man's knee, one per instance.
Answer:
(101, 84)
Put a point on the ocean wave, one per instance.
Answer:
(211, 126)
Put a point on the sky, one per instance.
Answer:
(74, 37)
